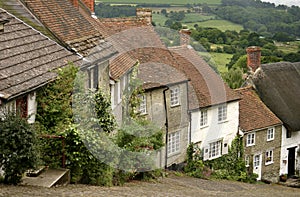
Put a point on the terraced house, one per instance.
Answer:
(28, 60)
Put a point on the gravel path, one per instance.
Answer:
(169, 186)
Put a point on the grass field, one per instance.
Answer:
(291, 47)
(196, 17)
(220, 24)
(159, 19)
(221, 59)
(173, 2)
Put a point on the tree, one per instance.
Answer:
(164, 12)
(18, 148)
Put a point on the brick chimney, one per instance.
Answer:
(89, 4)
(144, 14)
(185, 36)
(253, 57)
(75, 3)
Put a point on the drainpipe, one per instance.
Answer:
(167, 128)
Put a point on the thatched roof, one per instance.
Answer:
(278, 85)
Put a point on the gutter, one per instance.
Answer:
(167, 128)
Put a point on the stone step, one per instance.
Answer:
(48, 178)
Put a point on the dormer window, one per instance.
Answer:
(2, 23)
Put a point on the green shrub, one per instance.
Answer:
(18, 150)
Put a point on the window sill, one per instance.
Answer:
(222, 121)
(204, 126)
(249, 145)
(269, 163)
(177, 105)
(270, 140)
(173, 154)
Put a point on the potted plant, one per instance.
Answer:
(283, 177)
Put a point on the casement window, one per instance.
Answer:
(93, 76)
(269, 157)
(247, 161)
(143, 104)
(203, 118)
(175, 93)
(173, 142)
(215, 149)
(250, 139)
(222, 113)
(270, 134)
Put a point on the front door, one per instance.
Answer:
(257, 165)
(291, 161)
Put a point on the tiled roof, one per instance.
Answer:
(278, 85)
(27, 57)
(155, 74)
(206, 84)
(112, 26)
(67, 23)
(253, 113)
(121, 64)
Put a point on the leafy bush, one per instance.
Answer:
(18, 150)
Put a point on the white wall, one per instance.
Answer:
(225, 130)
(32, 106)
(288, 143)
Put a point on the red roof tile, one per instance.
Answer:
(66, 22)
(254, 114)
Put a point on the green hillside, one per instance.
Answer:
(173, 2)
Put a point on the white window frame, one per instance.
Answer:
(269, 157)
(175, 96)
(203, 118)
(222, 113)
(214, 150)
(270, 134)
(247, 160)
(250, 140)
(143, 104)
(256, 161)
(173, 143)
(119, 92)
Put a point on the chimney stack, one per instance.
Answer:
(144, 14)
(75, 3)
(185, 36)
(90, 4)
(253, 57)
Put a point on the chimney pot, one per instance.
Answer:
(90, 4)
(253, 57)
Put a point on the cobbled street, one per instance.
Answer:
(168, 186)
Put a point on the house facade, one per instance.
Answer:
(277, 85)
(262, 136)
(213, 106)
(165, 103)
(27, 57)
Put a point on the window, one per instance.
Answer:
(93, 77)
(222, 113)
(270, 134)
(175, 92)
(247, 161)
(250, 139)
(203, 118)
(143, 104)
(173, 142)
(256, 161)
(215, 149)
(269, 157)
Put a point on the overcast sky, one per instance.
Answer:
(284, 2)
